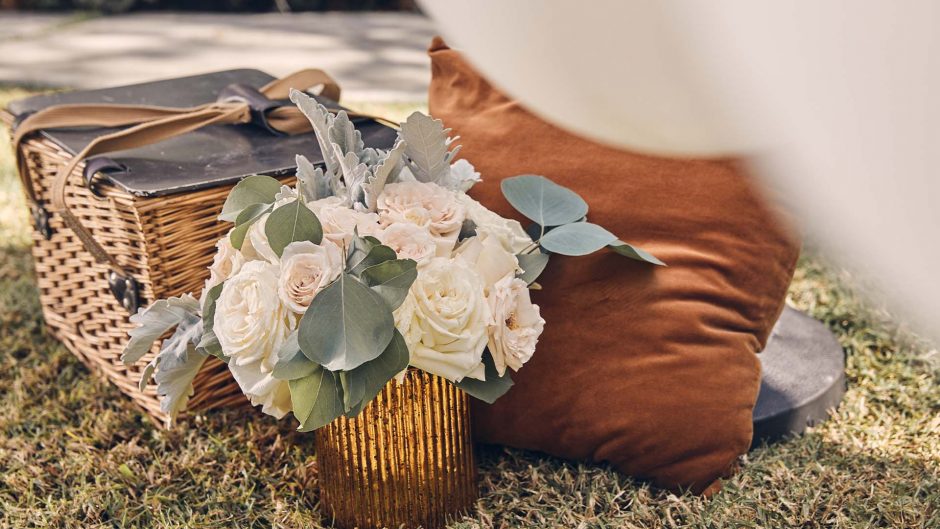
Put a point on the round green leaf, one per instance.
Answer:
(362, 384)
(578, 238)
(243, 222)
(291, 362)
(346, 325)
(391, 279)
(316, 399)
(532, 265)
(543, 201)
(255, 189)
(633, 252)
(292, 222)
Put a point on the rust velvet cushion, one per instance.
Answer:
(650, 369)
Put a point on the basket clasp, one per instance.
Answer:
(125, 290)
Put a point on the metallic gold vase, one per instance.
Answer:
(406, 460)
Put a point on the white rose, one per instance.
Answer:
(404, 317)
(486, 254)
(261, 388)
(515, 326)
(226, 262)
(410, 242)
(507, 231)
(450, 315)
(306, 269)
(340, 223)
(425, 204)
(251, 324)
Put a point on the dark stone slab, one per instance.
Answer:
(803, 377)
(212, 156)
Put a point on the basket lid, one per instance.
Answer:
(212, 156)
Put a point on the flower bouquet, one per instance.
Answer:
(360, 299)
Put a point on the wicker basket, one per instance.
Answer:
(406, 460)
(165, 242)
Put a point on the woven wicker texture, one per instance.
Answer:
(166, 243)
(407, 459)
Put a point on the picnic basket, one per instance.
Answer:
(150, 210)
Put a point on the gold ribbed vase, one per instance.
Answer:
(406, 460)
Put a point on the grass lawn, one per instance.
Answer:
(74, 452)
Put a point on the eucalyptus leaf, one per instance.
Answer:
(367, 254)
(290, 223)
(210, 342)
(256, 189)
(633, 252)
(291, 363)
(346, 325)
(316, 399)
(532, 264)
(391, 279)
(155, 320)
(543, 201)
(492, 388)
(362, 384)
(577, 238)
(426, 147)
(243, 223)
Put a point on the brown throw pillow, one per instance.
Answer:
(650, 369)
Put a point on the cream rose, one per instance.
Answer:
(410, 242)
(515, 326)
(306, 269)
(226, 262)
(425, 204)
(251, 324)
(340, 223)
(486, 254)
(507, 231)
(446, 320)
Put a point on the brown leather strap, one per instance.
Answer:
(150, 124)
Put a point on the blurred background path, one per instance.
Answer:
(378, 56)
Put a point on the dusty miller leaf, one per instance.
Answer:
(177, 362)
(381, 174)
(344, 135)
(155, 320)
(426, 147)
(312, 183)
(321, 119)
